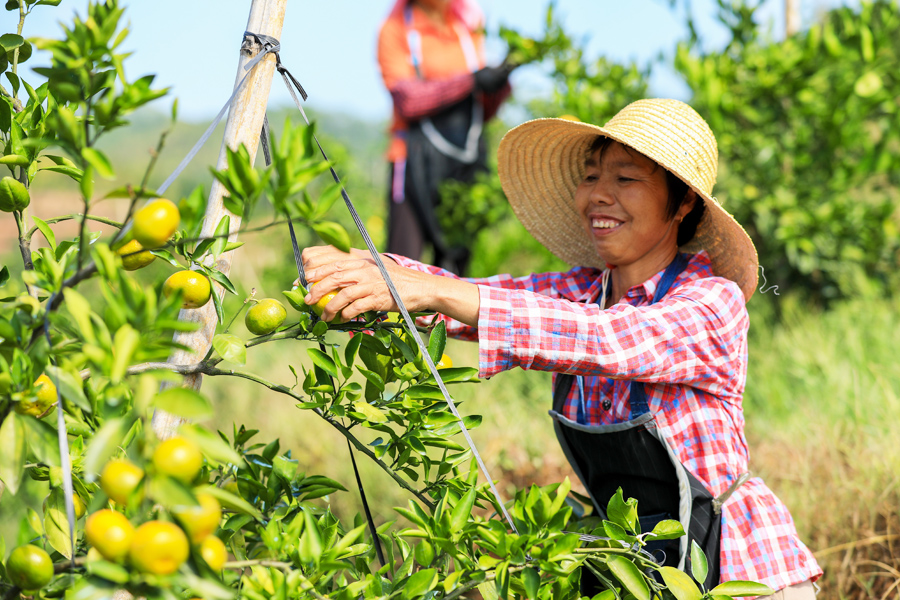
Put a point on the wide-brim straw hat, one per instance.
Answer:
(541, 163)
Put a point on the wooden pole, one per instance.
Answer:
(791, 17)
(245, 121)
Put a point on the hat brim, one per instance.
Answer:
(540, 165)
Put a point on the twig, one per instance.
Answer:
(242, 564)
(851, 545)
(71, 217)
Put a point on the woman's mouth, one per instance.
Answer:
(604, 225)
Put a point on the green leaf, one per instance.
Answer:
(699, 566)
(171, 492)
(531, 579)
(323, 361)
(104, 444)
(212, 446)
(100, 163)
(680, 584)
(125, 344)
(437, 341)
(630, 576)
(45, 229)
(868, 84)
(231, 348)
(295, 299)
(56, 522)
(371, 413)
(231, 501)
(668, 529)
(12, 451)
(334, 234)
(310, 546)
(742, 588)
(42, 440)
(105, 570)
(462, 511)
(11, 41)
(70, 387)
(420, 583)
(622, 512)
(184, 402)
(4, 275)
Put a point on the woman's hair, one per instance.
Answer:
(677, 188)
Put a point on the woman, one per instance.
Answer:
(648, 391)
(432, 61)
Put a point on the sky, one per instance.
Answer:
(329, 45)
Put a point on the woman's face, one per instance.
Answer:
(622, 200)
(436, 5)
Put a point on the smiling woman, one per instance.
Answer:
(647, 335)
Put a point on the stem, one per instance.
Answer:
(24, 242)
(22, 13)
(242, 564)
(17, 104)
(71, 217)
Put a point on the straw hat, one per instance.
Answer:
(541, 163)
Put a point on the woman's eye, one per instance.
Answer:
(625, 179)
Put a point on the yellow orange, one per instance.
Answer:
(213, 551)
(194, 287)
(134, 256)
(110, 533)
(120, 478)
(158, 547)
(43, 396)
(200, 521)
(178, 458)
(155, 223)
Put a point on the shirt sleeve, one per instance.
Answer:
(548, 285)
(695, 336)
(418, 98)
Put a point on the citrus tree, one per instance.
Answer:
(222, 515)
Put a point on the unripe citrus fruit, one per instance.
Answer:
(194, 287)
(178, 458)
(134, 256)
(29, 567)
(77, 504)
(155, 223)
(43, 396)
(213, 551)
(200, 521)
(158, 547)
(265, 316)
(445, 363)
(110, 533)
(120, 478)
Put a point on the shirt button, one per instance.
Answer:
(607, 405)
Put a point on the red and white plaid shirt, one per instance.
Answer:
(690, 348)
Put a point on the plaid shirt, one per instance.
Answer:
(691, 350)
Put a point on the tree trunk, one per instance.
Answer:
(245, 121)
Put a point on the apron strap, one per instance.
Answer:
(638, 395)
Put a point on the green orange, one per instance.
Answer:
(194, 287)
(178, 458)
(155, 223)
(134, 256)
(29, 567)
(265, 316)
(109, 533)
(158, 547)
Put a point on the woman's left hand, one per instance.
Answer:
(360, 286)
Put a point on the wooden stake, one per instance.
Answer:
(245, 121)
(791, 17)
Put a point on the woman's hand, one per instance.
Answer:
(361, 288)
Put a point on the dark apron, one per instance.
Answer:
(636, 456)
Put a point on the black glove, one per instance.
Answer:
(492, 79)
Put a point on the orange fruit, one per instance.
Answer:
(178, 458)
(134, 256)
(319, 307)
(200, 521)
(155, 223)
(29, 567)
(213, 551)
(194, 288)
(110, 533)
(265, 316)
(158, 547)
(120, 478)
(43, 396)
(445, 363)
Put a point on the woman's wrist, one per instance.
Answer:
(455, 298)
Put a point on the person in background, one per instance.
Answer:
(431, 55)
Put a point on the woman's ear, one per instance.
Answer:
(690, 200)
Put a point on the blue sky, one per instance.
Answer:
(329, 45)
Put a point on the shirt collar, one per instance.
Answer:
(698, 266)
